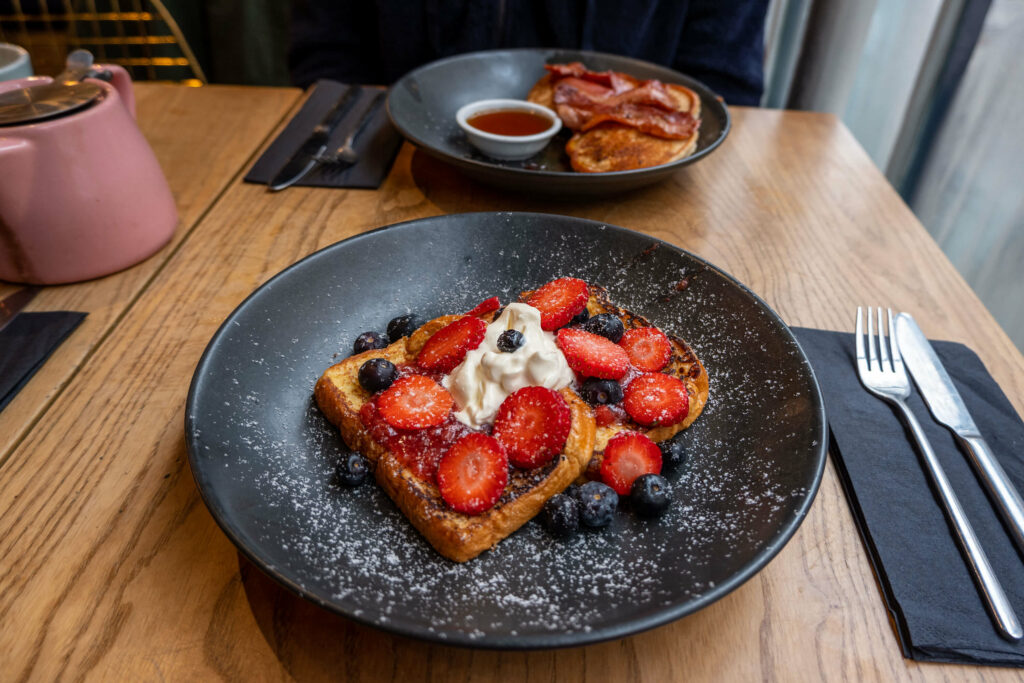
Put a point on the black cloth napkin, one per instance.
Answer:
(377, 144)
(26, 343)
(937, 610)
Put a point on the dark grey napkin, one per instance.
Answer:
(926, 585)
(26, 343)
(377, 144)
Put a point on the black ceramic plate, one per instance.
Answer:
(262, 454)
(422, 105)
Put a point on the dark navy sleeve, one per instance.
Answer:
(719, 42)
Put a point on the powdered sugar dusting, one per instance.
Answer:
(268, 456)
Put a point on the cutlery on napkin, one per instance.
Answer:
(375, 145)
(925, 583)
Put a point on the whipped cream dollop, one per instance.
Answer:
(488, 375)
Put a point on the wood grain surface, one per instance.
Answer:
(200, 154)
(111, 568)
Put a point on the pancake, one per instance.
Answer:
(613, 146)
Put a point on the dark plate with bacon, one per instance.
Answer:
(627, 123)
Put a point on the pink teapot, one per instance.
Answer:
(81, 193)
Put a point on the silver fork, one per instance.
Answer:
(883, 374)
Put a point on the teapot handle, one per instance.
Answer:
(122, 82)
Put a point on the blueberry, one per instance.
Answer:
(597, 504)
(673, 453)
(601, 391)
(377, 374)
(650, 495)
(402, 326)
(606, 325)
(580, 317)
(369, 340)
(510, 340)
(352, 469)
(561, 515)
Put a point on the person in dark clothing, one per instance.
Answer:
(720, 42)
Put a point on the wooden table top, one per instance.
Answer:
(113, 569)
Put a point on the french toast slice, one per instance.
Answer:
(457, 536)
(682, 364)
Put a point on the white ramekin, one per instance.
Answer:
(507, 147)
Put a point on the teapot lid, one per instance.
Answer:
(45, 101)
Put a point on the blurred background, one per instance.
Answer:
(932, 89)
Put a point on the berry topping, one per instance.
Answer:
(559, 301)
(604, 416)
(650, 495)
(597, 504)
(369, 340)
(592, 355)
(402, 326)
(627, 456)
(656, 399)
(352, 469)
(606, 325)
(472, 474)
(561, 515)
(415, 402)
(648, 348)
(532, 424)
(449, 345)
(377, 374)
(673, 453)
(601, 391)
(485, 306)
(580, 317)
(510, 340)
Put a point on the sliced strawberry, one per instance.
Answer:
(592, 355)
(485, 306)
(604, 416)
(414, 402)
(449, 345)
(656, 399)
(532, 424)
(473, 473)
(559, 301)
(627, 456)
(648, 348)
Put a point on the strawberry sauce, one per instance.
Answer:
(419, 449)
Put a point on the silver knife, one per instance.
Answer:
(310, 153)
(12, 305)
(948, 408)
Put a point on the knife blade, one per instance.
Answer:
(947, 407)
(309, 153)
(13, 304)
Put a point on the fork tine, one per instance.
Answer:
(872, 354)
(883, 347)
(897, 357)
(859, 335)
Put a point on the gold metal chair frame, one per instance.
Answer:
(140, 35)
